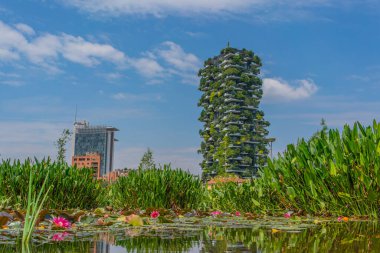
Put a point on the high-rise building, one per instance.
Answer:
(96, 140)
(234, 133)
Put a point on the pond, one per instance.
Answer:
(212, 235)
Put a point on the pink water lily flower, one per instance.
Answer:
(61, 222)
(59, 236)
(287, 215)
(237, 213)
(155, 214)
(216, 213)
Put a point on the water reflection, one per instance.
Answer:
(329, 237)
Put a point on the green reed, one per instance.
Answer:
(158, 188)
(333, 173)
(69, 187)
(35, 204)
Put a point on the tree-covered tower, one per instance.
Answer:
(234, 133)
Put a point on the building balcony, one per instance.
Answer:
(226, 56)
(232, 111)
(252, 142)
(239, 158)
(234, 123)
(233, 100)
(233, 77)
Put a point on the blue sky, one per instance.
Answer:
(133, 65)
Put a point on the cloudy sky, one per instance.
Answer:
(133, 65)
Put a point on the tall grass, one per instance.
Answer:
(232, 197)
(35, 204)
(333, 173)
(158, 188)
(70, 187)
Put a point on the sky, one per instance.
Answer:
(133, 65)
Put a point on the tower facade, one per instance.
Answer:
(95, 140)
(234, 132)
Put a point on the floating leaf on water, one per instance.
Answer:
(121, 218)
(4, 218)
(162, 219)
(134, 220)
(99, 211)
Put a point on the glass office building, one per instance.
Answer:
(95, 139)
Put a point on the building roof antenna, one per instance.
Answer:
(76, 112)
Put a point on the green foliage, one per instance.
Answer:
(70, 187)
(158, 188)
(332, 173)
(61, 145)
(147, 161)
(35, 204)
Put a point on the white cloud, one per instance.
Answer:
(275, 89)
(24, 28)
(147, 66)
(167, 60)
(47, 50)
(44, 50)
(278, 10)
(160, 7)
(178, 62)
(78, 50)
(174, 55)
(136, 97)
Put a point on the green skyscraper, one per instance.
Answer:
(234, 133)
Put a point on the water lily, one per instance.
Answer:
(216, 213)
(237, 213)
(61, 222)
(287, 215)
(59, 236)
(154, 214)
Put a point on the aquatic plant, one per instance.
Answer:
(35, 204)
(70, 187)
(333, 173)
(61, 222)
(59, 236)
(158, 188)
(216, 213)
(154, 214)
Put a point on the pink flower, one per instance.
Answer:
(340, 218)
(154, 214)
(237, 213)
(61, 222)
(287, 215)
(60, 236)
(216, 213)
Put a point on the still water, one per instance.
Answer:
(355, 236)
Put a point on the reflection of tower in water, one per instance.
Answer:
(102, 244)
(101, 247)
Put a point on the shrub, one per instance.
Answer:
(71, 187)
(158, 188)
